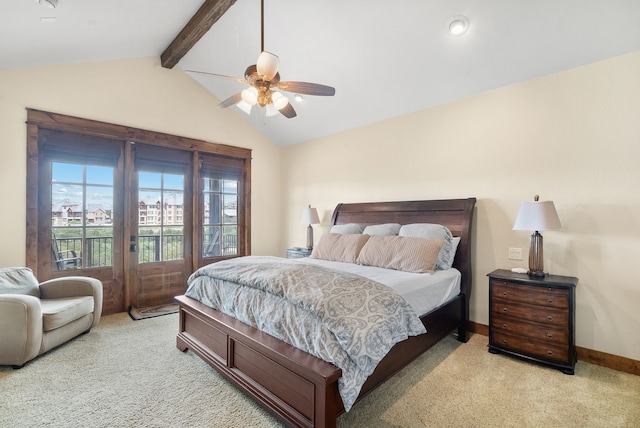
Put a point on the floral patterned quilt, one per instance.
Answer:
(345, 319)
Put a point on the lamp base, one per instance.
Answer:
(536, 263)
(309, 237)
(537, 274)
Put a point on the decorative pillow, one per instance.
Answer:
(387, 229)
(339, 247)
(18, 280)
(403, 253)
(433, 231)
(350, 228)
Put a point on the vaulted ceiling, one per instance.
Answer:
(385, 59)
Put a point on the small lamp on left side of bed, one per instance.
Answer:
(309, 217)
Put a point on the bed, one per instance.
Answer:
(299, 388)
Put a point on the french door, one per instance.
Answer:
(80, 211)
(160, 243)
(136, 209)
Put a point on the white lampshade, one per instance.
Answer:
(310, 216)
(267, 65)
(279, 101)
(250, 95)
(537, 215)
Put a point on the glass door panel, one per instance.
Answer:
(220, 217)
(160, 217)
(81, 215)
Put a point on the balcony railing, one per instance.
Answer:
(150, 249)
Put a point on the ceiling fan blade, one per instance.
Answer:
(307, 88)
(233, 99)
(288, 111)
(267, 65)
(237, 79)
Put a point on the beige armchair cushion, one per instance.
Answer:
(58, 312)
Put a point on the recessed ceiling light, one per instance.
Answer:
(458, 25)
(49, 3)
(298, 98)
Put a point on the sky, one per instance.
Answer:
(67, 184)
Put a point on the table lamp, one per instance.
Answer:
(309, 217)
(537, 216)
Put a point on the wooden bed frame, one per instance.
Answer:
(297, 387)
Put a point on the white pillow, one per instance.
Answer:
(347, 229)
(387, 229)
(434, 231)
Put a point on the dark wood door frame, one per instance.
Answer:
(38, 120)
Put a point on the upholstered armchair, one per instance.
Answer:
(37, 317)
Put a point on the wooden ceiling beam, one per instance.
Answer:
(198, 25)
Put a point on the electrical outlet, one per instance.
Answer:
(515, 253)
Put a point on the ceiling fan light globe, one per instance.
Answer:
(279, 101)
(244, 106)
(270, 110)
(267, 65)
(250, 96)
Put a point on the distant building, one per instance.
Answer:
(68, 213)
(156, 214)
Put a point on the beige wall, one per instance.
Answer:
(572, 137)
(138, 93)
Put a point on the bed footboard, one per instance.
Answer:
(299, 388)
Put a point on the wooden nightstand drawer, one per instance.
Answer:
(524, 311)
(546, 350)
(542, 332)
(527, 294)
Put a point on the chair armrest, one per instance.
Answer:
(74, 286)
(21, 331)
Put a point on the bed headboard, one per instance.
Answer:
(456, 214)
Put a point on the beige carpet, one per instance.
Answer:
(130, 374)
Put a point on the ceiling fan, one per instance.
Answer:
(264, 79)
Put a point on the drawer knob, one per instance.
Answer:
(504, 326)
(505, 310)
(505, 294)
(549, 353)
(549, 318)
(504, 341)
(550, 336)
(550, 301)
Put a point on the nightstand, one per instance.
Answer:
(297, 253)
(533, 318)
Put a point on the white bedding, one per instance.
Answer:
(423, 291)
